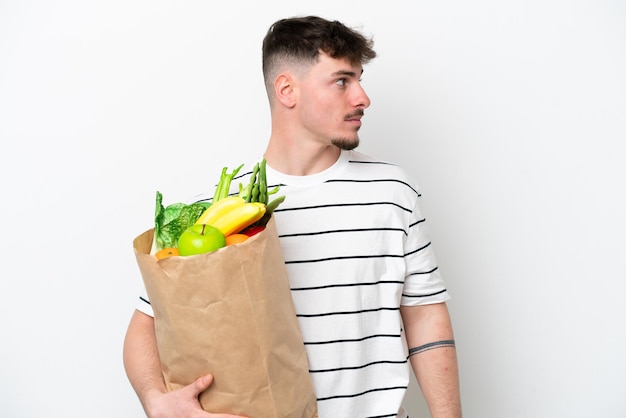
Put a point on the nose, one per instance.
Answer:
(361, 98)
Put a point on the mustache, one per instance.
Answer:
(356, 113)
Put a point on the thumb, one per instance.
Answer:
(200, 385)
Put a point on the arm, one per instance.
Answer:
(143, 368)
(429, 333)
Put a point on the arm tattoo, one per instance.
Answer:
(430, 346)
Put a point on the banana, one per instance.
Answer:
(219, 209)
(239, 217)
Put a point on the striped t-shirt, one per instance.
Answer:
(356, 248)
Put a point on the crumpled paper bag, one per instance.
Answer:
(230, 313)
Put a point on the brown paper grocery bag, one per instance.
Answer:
(230, 313)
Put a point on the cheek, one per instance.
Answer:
(316, 112)
(323, 120)
(320, 112)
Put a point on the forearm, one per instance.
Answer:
(433, 358)
(436, 371)
(141, 358)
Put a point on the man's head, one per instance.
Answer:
(298, 42)
(312, 69)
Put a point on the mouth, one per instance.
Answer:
(355, 117)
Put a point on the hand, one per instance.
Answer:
(182, 402)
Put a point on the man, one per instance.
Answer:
(365, 284)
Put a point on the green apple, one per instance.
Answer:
(199, 239)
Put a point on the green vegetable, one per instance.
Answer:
(247, 193)
(171, 221)
(256, 191)
(223, 186)
(263, 182)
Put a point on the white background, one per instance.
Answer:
(509, 113)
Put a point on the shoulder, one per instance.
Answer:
(367, 162)
(364, 166)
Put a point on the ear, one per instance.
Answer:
(284, 90)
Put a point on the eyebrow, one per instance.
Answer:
(346, 73)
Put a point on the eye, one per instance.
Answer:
(341, 82)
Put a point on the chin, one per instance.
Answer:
(346, 144)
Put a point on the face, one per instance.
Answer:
(331, 101)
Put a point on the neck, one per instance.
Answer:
(295, 158)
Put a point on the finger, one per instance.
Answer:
(199, 385)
